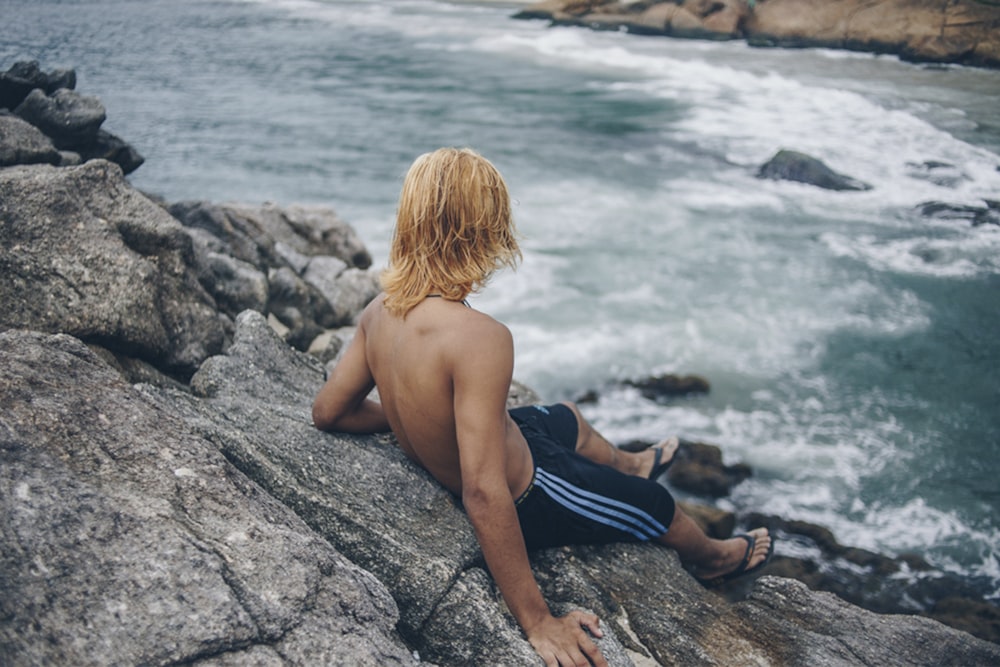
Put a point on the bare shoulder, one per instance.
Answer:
(479, 328)
(372, 311)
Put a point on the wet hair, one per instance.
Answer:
(454, 230)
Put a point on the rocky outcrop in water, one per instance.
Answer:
(963, 31)
(794, 166)
(166, 499)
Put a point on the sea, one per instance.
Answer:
(852, 343)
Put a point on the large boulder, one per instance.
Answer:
(126, 537)
(83, 253)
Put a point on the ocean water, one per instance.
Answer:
(853, 345)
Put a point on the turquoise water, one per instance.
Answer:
(852, 344)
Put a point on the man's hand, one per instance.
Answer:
(562, 641)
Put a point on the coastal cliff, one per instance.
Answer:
(964, 32)
(166, 499)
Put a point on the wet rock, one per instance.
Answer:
(793, 166)
(894, 585)
(988, 214)
(939, 173)
(660, 387)
(698, 468)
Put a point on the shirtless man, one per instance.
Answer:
(528, 478)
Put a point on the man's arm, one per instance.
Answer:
(343, 404)
(482, 371)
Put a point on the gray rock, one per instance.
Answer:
(232, 235)
(346, 487)
(322, 272)
(793, 166)
(106, 146)
(68, 118)
(83, 253)
(309, 230)
(23, 77)
(300, 307)
(352, 291)
(127, 538)
(23, 143)
(820, 629)
(235, 285)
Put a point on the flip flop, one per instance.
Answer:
(742, 570)
(660, 468)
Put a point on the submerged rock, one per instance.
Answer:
(793, 166)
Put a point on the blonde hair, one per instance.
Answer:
(454, 229)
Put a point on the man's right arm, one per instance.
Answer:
(482, 372)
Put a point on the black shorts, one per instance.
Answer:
(572, 500)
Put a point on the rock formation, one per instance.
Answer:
(166, 500)
(962, 31)
(72, 122)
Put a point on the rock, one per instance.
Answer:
(346, 487)
(23, 143)
(939, 173)
(699, 469)
(989, 214)
(235, 285)
(793, 166)
(232, 235)
(129, 539)
(23, 77)
(85, 254)
(963, 31)
(660, 387)
(300, 307)
(807, 628)
(352, 291)
(310, 230)
(901, 585)
(322, 272)
(106, 146)
(70, 119)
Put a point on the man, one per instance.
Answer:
(528, 478)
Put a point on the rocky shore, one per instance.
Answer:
(166, 499)
(965, 32)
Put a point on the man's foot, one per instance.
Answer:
(663, 456)
(752, 552)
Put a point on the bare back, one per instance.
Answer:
(417, 362)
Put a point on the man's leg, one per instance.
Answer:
(710, 557)
(592, 445)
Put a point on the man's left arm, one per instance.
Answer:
(343, 404)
